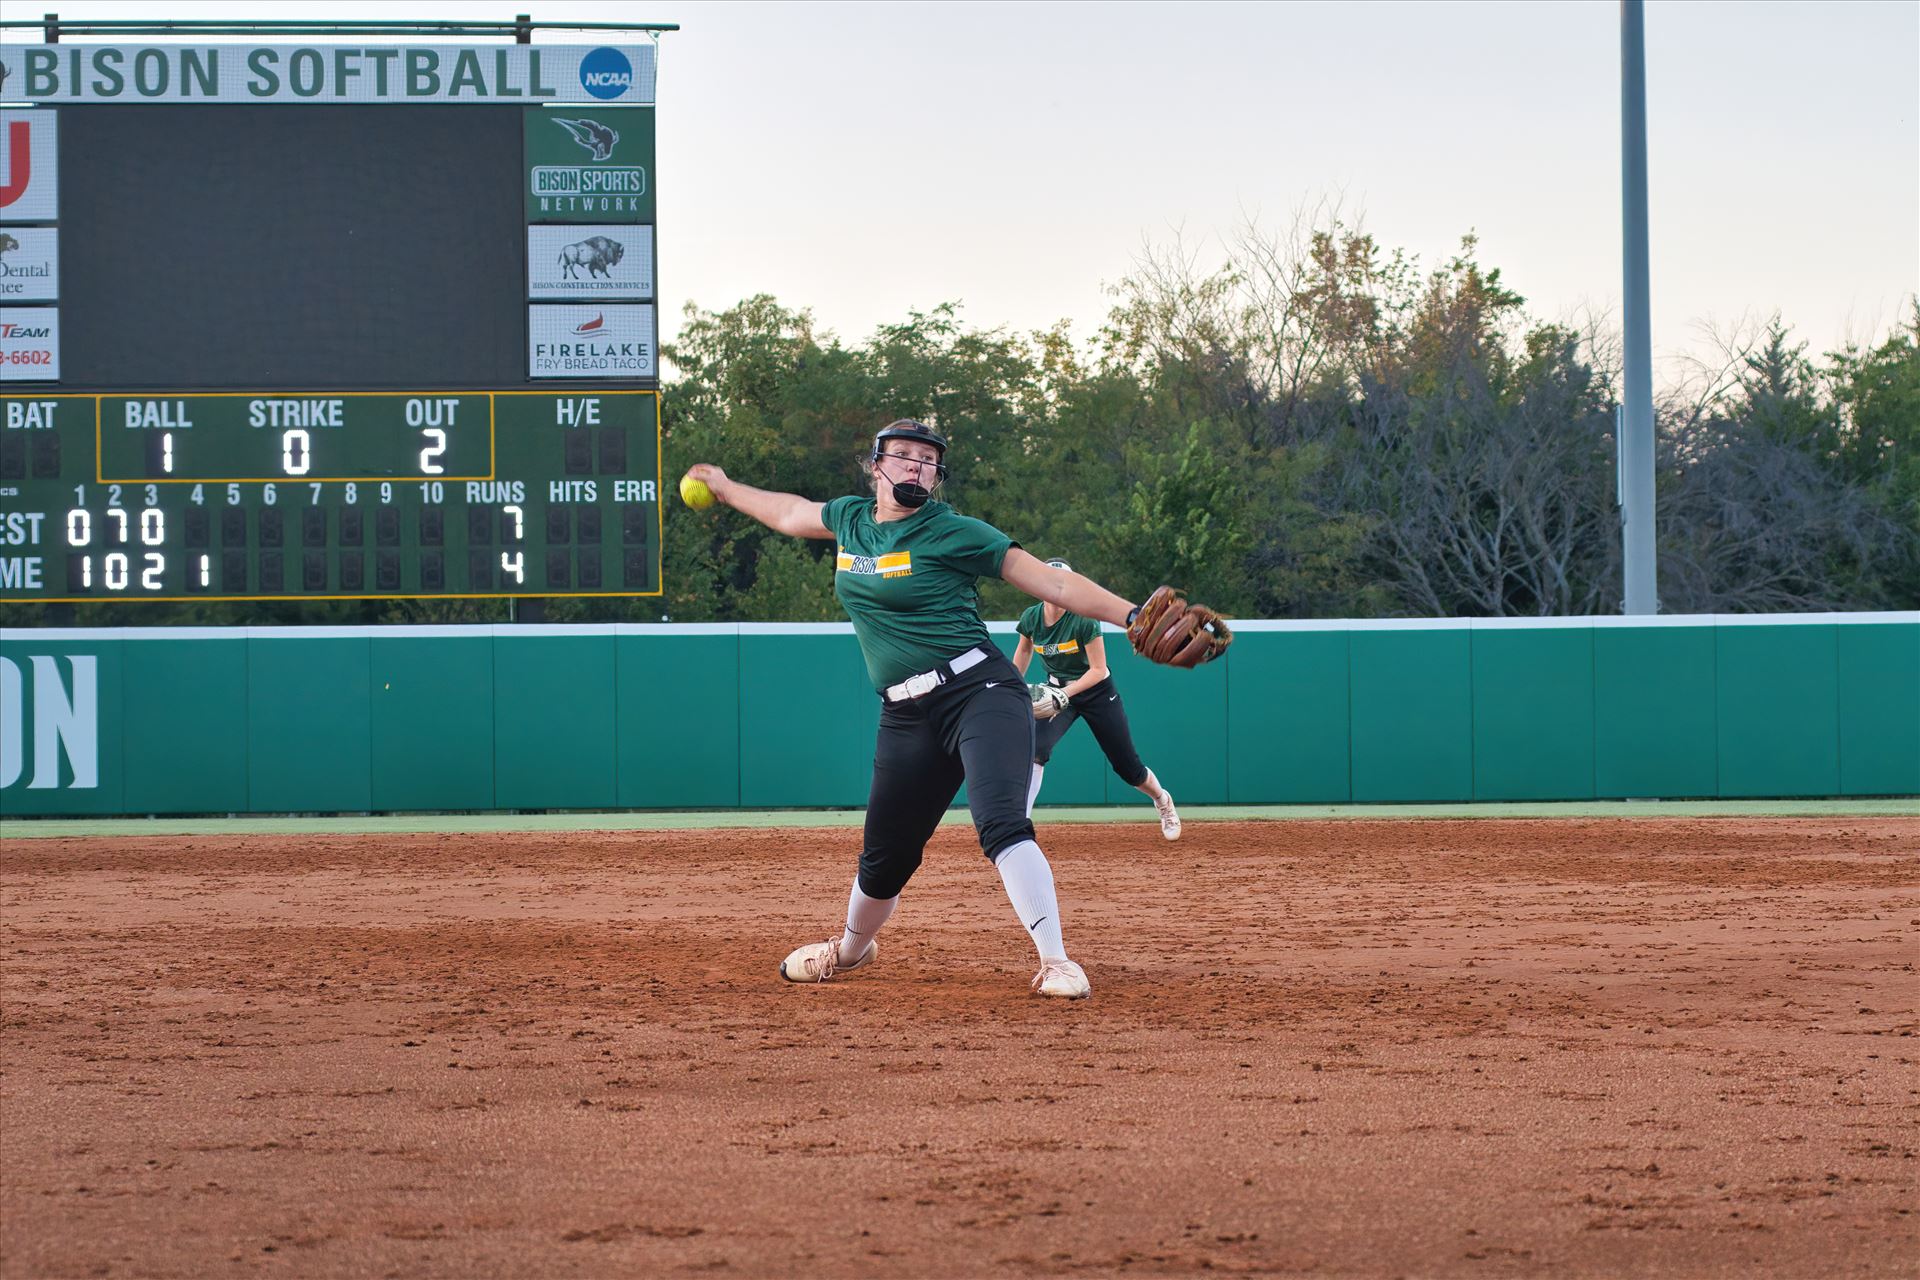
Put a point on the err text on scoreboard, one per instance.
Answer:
(298, 495)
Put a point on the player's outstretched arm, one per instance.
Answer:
(1073, 592)
(782, 512)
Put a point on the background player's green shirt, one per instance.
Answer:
(1063, 646)
(910, 585)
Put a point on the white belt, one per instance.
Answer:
(927, 681)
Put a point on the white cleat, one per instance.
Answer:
(1169, 817)
(818, 961)
(1062, 978)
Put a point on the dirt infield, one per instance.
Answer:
(1667, 1048)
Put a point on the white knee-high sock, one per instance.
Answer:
(1033, 787)
(864, 917)
(1149, 786)
(1029, 881)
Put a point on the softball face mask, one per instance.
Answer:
(910, 493)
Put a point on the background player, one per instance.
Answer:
(1080, 687)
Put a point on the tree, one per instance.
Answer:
(1770, 498)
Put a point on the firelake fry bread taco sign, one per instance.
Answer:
(390, 74)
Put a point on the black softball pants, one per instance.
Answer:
(1106, 715)
(976, 729)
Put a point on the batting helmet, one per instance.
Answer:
(908, 429)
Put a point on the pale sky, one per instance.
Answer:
(864, 160)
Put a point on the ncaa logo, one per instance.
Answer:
(606, 73)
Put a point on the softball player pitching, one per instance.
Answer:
(953, 709)
(1080, 687)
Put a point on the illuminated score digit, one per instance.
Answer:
(153, 527)
(79, 527)
(519, 522)
(514, 562)
(166, 453)
(432, 415)
(296, 453)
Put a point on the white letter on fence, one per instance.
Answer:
(59, 722)
(12, 743)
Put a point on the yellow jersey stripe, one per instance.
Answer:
(893, 564)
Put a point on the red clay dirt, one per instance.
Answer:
(1485, 1048)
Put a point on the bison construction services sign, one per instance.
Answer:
(215, 73)
(611, 261)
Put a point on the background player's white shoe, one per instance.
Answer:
(1062, 978)
(818, 961)
(1169, 818)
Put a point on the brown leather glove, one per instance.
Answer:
(1168, 630)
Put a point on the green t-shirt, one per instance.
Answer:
(1063, 646)
(909, 585)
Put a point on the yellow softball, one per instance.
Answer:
(695, 493)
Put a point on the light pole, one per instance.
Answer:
(1636, 420)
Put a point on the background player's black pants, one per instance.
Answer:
(1104, 713)
(977, 729)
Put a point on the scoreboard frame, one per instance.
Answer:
(589, 78)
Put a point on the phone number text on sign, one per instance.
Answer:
(29, 344)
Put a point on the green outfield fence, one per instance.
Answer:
(770, 716)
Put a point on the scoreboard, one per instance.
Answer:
(289, 322)
(248, 496)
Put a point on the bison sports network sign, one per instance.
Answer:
(589, 165)
(240, 73)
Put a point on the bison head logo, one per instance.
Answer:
(7, 244)
(592, 135)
